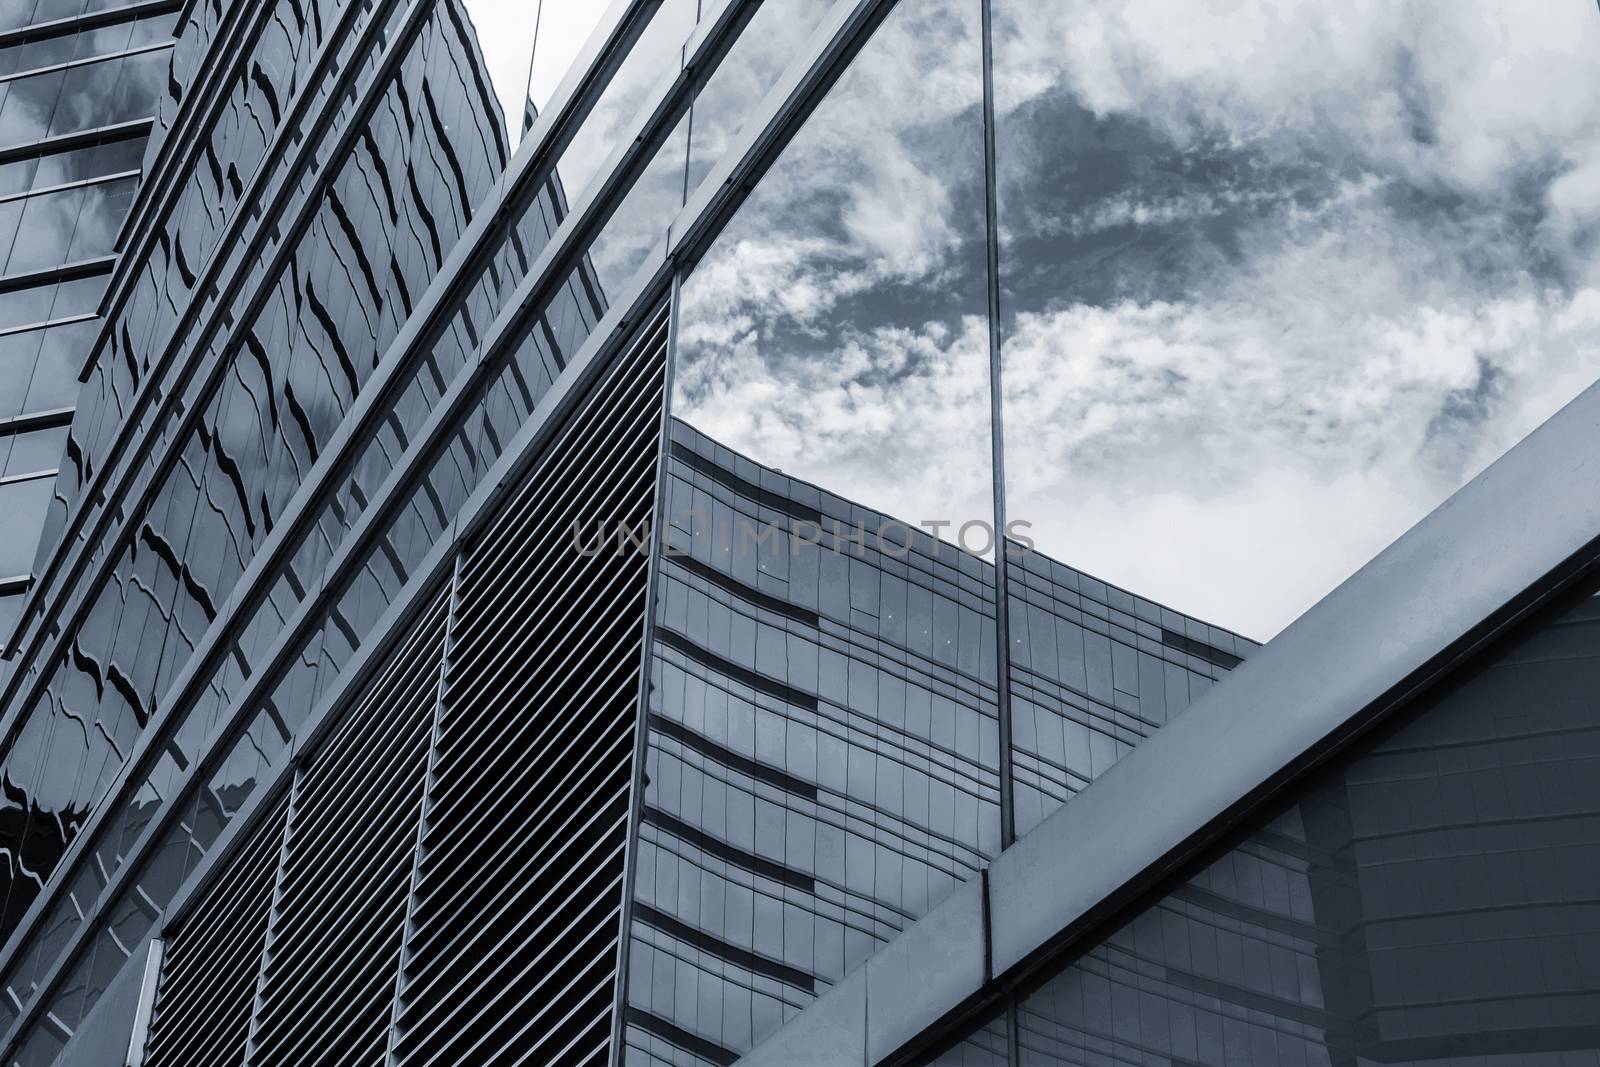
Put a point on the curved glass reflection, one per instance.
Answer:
(823, 758)
(1277, 279)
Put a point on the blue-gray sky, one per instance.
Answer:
(1277, 277)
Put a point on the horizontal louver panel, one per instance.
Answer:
(209, 969)
(513, 955)
(330, 977)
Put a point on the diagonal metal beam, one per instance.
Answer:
(772, 124)
(1508, 543)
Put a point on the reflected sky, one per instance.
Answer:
(837, 328)
(506, 34)
(1275, 279)
(1278, 278)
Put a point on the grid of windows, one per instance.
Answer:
(893, 663)
(1429, 898)
(823, 759)
(77, 90)
(428, 149)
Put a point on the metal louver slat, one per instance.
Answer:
(326, 993)
(208, 972)
(513, 942)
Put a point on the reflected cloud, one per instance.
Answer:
(1276, 278)
(1280, 279)
(837, 329)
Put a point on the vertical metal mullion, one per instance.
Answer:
(656, 540)
(285, 847)
(997, 445)
(1013, 1033)
(144, 1009)
(423, 810)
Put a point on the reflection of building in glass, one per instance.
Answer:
(1430, 900)
(78, 89)
(823, 752)
(314, 165)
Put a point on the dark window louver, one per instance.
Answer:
(1209, 653)
(513, 953)
(441, 881)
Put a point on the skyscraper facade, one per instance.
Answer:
(81, 82)
(605, 605)
(311, 168)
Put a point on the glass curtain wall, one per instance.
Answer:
(1254, 306)
(1274, 282)
(823, 731)
(1426, 899)
(78, 85)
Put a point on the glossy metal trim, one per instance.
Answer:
(66, 272)
(997, 442)
(103, 57)
(88, 20)
(35, 420)
(641, 724)
(46, 190)
(121, 131)
(146, 1006)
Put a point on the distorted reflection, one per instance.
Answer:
(823, 758)
(1277, 279)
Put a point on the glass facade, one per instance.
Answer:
(823, 742)
(275, 267)
(590, 600)
(78, 87)
(1427, 899)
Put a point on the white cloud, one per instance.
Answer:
(1238, 440)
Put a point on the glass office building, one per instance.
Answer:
(311, 168)
(80, 79)
(619, 601)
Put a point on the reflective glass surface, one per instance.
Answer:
(823, 747)
(1428, 899)
(1276, 279)
(984, 1047)
(654, 56)
(1178, 264)
(60, 203)
(394, 207)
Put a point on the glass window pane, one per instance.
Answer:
(22, 508)
(1428, 898)
(1275, 281)
(652, 57)
(35, 450)
(824, 643)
